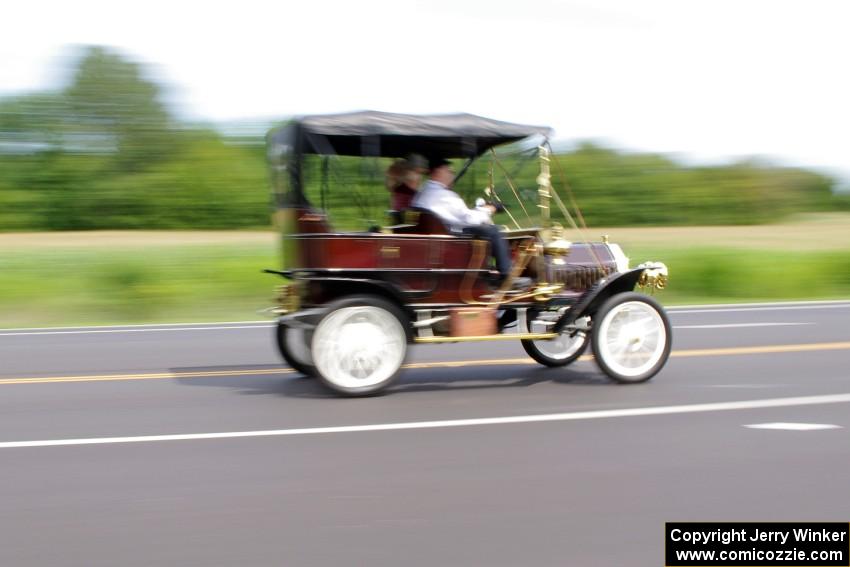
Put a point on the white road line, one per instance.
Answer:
(190, 327)
(742, 309)
(709, 306)
(742, 386)
(572, 416)
(139, 326)
(734, 325)
(151, 330)
(793, 426)
(225, 325)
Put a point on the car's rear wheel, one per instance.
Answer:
(359, 345)
(560, 351)
(294, 346)
(631, 337)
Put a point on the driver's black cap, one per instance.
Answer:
(435, 162)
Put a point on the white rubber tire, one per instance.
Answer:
(359, 345)
(560, 351)
(293, 345)
(631, 337)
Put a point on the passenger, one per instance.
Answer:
(437, 197)
(405, 176)
(394, 173)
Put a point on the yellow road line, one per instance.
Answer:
(462, 363)
(766, 349)
(152, 376)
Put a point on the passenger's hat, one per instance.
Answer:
(416, 161)
(435, 162)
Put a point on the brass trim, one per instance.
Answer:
(557, 245)
(288, 299)
(410, 217)
(544, 190)
(654, 276)
(390, 252)
(510, 337)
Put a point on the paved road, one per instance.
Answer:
(591, 483)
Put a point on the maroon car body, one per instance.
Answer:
(418, 276)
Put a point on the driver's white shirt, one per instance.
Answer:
(448, 205)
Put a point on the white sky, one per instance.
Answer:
(705, 79)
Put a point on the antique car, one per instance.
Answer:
(354, 299)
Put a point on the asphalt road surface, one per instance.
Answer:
(192, 445)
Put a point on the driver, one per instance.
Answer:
(437, 197)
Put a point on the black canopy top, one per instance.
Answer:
(371, 133)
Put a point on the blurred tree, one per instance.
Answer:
(208, 185)
(114, 109)
(104, 152)
(32, 122)
(841, 202)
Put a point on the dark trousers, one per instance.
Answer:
(498, 245)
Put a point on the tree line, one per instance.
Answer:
(105, 152)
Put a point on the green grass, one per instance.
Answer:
(41, 287)
(721, 275)
(206, 281)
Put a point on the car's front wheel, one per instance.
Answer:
(359, 345)
(631, 337)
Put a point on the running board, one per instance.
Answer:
(504, 337)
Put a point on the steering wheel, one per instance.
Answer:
(495, 202)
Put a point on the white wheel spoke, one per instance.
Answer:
(619, 346)
(651, 331)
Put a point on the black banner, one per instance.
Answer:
(757, 544)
